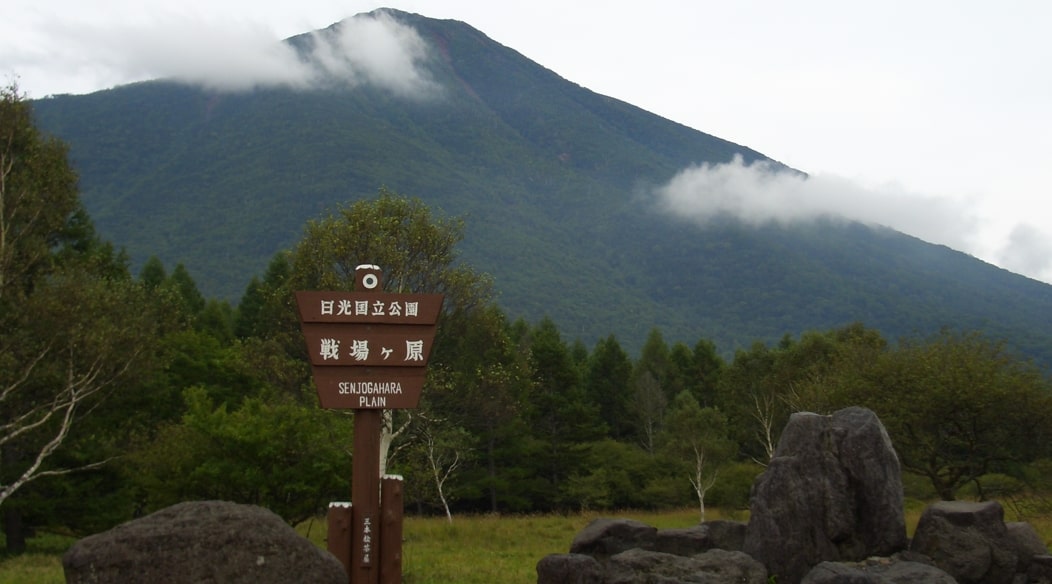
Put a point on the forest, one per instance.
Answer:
(122, 393)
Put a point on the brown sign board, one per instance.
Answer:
(368, 350)
(365, 388)
(368, 307)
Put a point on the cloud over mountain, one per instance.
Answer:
(368, 49)
(762, 193)
(1028, 251)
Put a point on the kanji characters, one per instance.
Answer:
(414, 350)
(330, 349)
(360, 350)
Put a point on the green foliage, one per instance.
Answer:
(38, 199)
(75, 331)
(697, 437)
(561, 417)
(282, 456)
(416, 250)
(763, 385)
(655, 361)
(480, 382)
(734, 484)
(153, 274)
(614, 475)
(956, 405)
(608, 385)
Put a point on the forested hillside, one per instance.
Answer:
(554, 182)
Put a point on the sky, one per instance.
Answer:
(932, 117)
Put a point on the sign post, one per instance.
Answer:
(368, 352)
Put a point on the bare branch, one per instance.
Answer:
(79, 387)
(17, 383)
(764, 412)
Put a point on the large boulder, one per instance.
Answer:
(200, 542)
(832, 492)
(970, 541)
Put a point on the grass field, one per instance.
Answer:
(473, 549)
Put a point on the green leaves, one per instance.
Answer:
(956, 405)
(38, 197)
(74, 328)
(416, 251)
(283, 456)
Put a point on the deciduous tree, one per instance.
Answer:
(957, 406)
(697, 436)
(73, 324)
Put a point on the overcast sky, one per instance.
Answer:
(932, 117)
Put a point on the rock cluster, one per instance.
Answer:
(827, 510)
(623, 551)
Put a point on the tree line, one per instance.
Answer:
(123, 393)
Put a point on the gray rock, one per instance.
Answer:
(605, 537)
(893, 570)
(683, 542)
(688, 541)
(639, 566)
(1040, 570)
(726, 535)
(832, 492)
(201, 542)
(968, 540)
(1026, 542)
(569, 569)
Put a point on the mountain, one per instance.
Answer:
(555, 183)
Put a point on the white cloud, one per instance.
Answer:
(374, 49)
(377, 50)
(761, 193)
(1028, 251)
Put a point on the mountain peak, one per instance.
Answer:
(556, 183)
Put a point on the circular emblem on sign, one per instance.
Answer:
(370, 281)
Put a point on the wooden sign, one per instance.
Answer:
(368, 349)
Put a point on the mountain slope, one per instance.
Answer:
(553, 180)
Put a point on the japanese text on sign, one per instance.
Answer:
(359, 350)
(368, 307)
(367, 540)
(346, 307)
